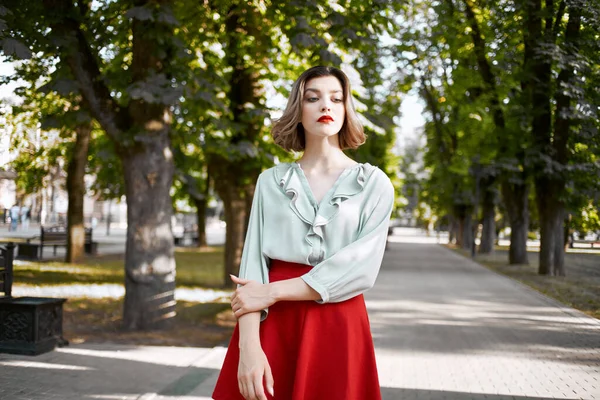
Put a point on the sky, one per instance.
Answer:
(411, 119)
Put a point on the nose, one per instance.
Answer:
(326, 106)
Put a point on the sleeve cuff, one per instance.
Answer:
(263, 314)
(317, 287)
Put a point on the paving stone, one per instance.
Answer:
(443, 326)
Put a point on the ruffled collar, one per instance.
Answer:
(291, 180)
(293, 183)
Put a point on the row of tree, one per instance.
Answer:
(154, 97)
(511, 91)
(160, 100)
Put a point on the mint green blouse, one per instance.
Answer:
(343, 236)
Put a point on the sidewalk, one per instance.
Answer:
(444, 328)
(114, 243)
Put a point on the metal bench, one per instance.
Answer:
(54, 236)
(28, 325)
(188, 233)
(6, 270)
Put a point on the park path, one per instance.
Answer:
(447, 328)
(444, 328)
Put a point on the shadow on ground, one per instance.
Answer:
(448, 305)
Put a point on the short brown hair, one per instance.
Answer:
(288, 131)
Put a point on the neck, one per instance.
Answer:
(322, 153)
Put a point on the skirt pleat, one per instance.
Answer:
(315, 351)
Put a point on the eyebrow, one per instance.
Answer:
(318, 91)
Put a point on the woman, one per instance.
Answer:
(315, 241)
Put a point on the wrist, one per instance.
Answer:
(249, 343)
(274, 292)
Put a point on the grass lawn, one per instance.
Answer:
(99, 320)
(580, 289)
(195, 268)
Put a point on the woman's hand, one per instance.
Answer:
(250, 297)
(253, 367)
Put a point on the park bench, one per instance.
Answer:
(188, 233)
(54, 236)
(28, 325)
(592, 243)
(6, 270)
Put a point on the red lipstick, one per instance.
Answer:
(325, 118)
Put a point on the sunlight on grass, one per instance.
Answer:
(195, 268)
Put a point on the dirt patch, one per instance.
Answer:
(195, 325)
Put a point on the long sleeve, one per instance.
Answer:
(354, 268)
(254, 265)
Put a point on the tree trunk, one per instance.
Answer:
(546, 210)
(516, 199)
(467, 233)
(462, 226)
(140, 132)
(234, 206)
(567, 231)
(235, 176)
(455, 231)
(563, 130)
(109, 217)
(149, 258)
(459, 231)
(201, 221)
(488, 234)
(53, 177)
(552, 250)
(559, 247)
(249, 195)
(75, 192)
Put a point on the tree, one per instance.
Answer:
(266, 48)
(557, 85)
(52, 108)
(138, 125)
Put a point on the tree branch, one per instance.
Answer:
(76, 52)
(549, 11)
(559, 15)
(563, 114)
(484, 66)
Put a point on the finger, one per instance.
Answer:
(242, 387)
(250, 387)
(239, 281)
(237, 309)
(269, 381)
(236, 304)
(259, 390)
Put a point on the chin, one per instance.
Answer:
(327, 131)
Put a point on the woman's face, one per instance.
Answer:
(323, 109)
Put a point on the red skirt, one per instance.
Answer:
(315, 351)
